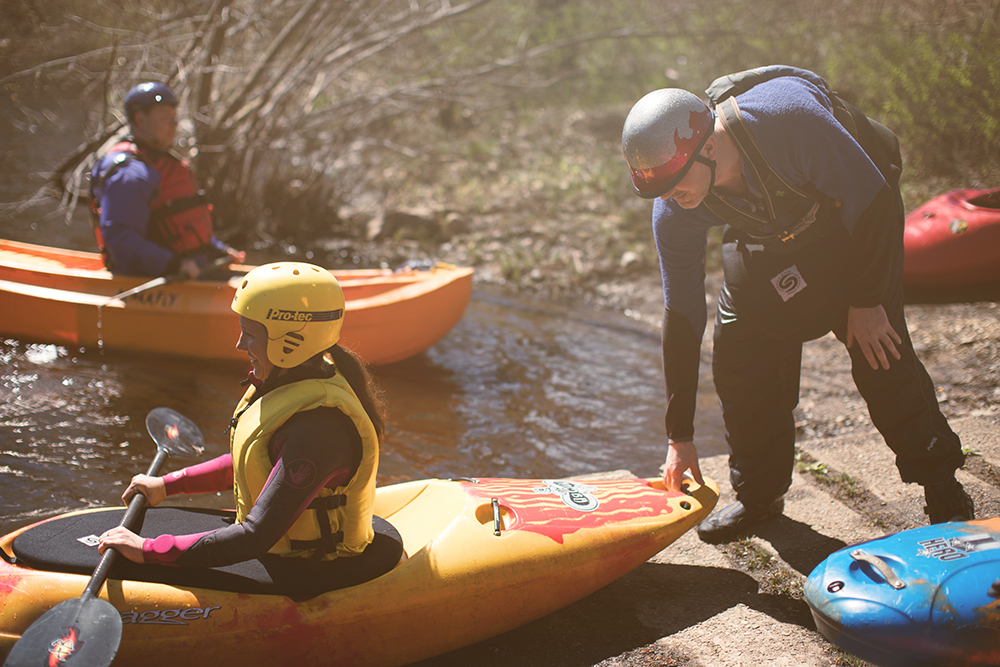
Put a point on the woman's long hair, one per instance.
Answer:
(364, 384)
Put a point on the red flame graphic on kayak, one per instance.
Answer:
(173, 432)
(63, 648)
(538, 510)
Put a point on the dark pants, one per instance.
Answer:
(757, 380)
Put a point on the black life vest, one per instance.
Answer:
(180, 216)
(802, 203)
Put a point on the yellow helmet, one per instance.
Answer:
(301, 305)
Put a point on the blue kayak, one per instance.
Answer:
(924, 596)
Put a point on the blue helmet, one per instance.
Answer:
(146, 95)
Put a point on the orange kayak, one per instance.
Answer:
(53, 295)
(484, 556)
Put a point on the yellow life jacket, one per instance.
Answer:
(348, 509)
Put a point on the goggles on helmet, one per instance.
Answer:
(662, 137)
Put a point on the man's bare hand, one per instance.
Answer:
(871, 329)
(681, 457)
(189, 267)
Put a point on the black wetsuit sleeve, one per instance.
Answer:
(681, 359)
(872, 245)
(313, 449)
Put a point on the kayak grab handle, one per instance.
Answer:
(496, 517)
(881, 566)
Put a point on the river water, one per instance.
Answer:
(519, 388)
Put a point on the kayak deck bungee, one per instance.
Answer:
(60, 296)
(481, 557)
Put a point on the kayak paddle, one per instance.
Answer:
(163, 280)
(89, 629)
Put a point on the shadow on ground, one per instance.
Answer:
(961, 294)
(798, 544)
(656, 600)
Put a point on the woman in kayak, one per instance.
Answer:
(304, 439)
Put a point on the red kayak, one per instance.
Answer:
(954, 240)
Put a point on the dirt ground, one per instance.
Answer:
(741, 604)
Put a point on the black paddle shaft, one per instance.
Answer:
(87, 630)
(135, 506)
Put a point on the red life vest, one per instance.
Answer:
(180, 217)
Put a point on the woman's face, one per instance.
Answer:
(253, 341)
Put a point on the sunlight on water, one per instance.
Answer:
(519, 388)
(43, 354)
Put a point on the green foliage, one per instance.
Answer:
(926, 69)
(750, 555)
(443, 111)
(938, 92)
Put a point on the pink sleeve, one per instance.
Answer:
(207, 477)
(166, 549)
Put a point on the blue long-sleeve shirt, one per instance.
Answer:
(125, 201)
(793, 124)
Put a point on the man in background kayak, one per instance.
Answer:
(149, 217)
(304, 441)
(808, 190)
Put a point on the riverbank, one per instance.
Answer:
(740, 604)
(737, 604)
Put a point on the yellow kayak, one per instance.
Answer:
(481, 557)
(54, 295)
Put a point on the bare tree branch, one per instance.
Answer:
(254, 77)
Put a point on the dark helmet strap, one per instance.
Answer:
(711, 165)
